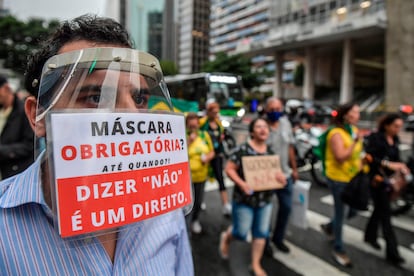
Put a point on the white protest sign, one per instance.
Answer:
(112, 169)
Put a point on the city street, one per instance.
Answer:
(310, 249)
(155, 77)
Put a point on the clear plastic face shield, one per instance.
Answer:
(116, 153)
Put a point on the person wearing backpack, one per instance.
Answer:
(200, 153)
(342, 162)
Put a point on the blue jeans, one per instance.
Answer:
(247, 218)
(340, 209)
(284, 197)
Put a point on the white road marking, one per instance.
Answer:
(402, 222)
(213, 185)
(354, 237)
(305, 263)
(404, 147)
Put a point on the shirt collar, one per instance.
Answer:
(23, 188)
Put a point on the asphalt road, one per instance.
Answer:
(310, 249)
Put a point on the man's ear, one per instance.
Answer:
(30, 106)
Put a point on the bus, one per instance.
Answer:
(191, 92)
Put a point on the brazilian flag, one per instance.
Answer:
(179, 105)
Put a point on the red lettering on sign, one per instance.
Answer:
(91, 203)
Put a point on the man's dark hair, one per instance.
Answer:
(86, 27)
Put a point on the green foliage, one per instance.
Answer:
(298, 75)
(235, 64)
(168, 67)
(18, 39)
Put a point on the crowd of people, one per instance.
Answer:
(160, 245)
(271, 133)
(344, 159)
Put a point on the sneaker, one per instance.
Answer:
(342, 259)
(203, 206)
(282, 247)
(328, 231)
(226, 210)
(396, 261)
(196, 227)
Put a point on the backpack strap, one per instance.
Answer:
(206, 138)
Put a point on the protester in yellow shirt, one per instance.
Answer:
(211, 123)
(342, 162)
(200, 153)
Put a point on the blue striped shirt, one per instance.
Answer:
(31, 245)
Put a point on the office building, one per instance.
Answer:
(193, 35)
(134, 15)
(352, 50)
(169, 31)
(155, 33)
(236, 24)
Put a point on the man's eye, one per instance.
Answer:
(93, 99)
(140, 96)
(90, 94)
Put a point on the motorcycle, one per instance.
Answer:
(228, 142)
(306, 140)
(405, 201)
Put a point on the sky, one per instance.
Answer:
(54, 9)
(68, 9)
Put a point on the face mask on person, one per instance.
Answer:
(274, 116)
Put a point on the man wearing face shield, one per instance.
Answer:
(88, 64)
(281, 141)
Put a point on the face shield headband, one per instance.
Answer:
(102, 78)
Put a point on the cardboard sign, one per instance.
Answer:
(260, 172)
(113, 169)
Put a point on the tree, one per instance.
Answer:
(235, 64)
(18, 39)
(168, 67)
(298, 74)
